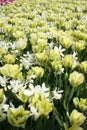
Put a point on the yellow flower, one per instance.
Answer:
(18, 116)
(22, 96)
(76, 78)
(79, 46)
(80, 103)
(66, 42)
(37, 71)
(42, 57)
(35, 99)
(21, 44)
(9, 59)
(54, 55)
(83, 104)
(33, 39)
(2, 22)
(1, 95)
(2, 116)
(7, 28)
(76, 118)
(56, 65)
(42, 35)
(4, 70)
(18, 34)
(68, 61)
(40, 45)
(3, 51)
(83, 66)
(19, 76)
(44, 107)
(11, 71)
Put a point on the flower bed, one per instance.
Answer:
(43, 65)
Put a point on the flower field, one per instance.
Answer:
(43, 65)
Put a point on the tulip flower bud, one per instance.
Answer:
(81, 104)
(76, 118)
(83, 66)
(68, 61)
(18, 34)
(54, 55)
(76, 78)
(79, 46)
(56, 65)
(21, 44)
(42, 57)
(66, 42)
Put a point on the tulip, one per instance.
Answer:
(76, 118)
(18, 116)
(76, 78)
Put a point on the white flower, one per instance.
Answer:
(32, 90)
(4, 45)
(15, 85)
(12, 46)
(27, 60)
(11, 105)
(37, 89)
(3, 81)
(30, 79)
(4, 107)
(51, 34)
(34, 112)
(61, 70)
(74, 55)
(50, 45)
(51, 24)
(45, 90)
(59, 50)
(57, 93)
(76, 62)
